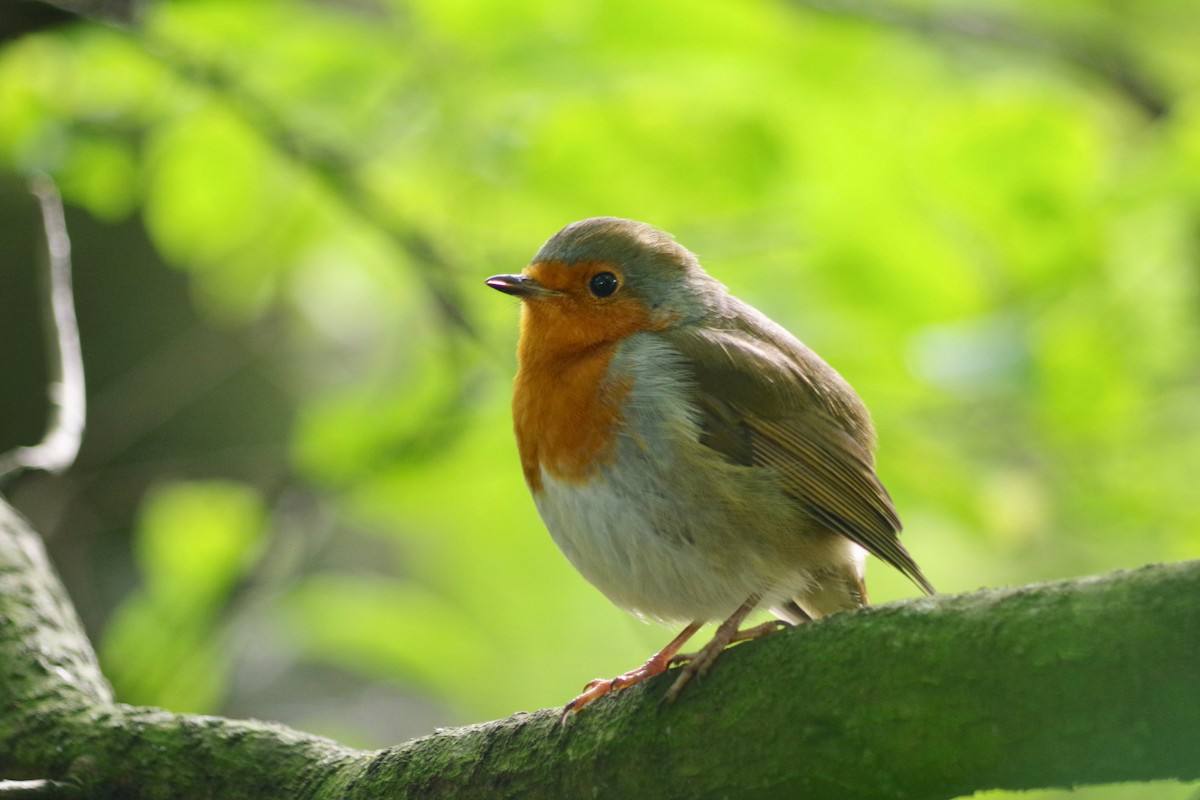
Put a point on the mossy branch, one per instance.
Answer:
(1088, 681)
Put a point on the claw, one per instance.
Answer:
(694, 664)
(655, 665)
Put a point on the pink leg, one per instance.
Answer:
(726, 634)
(744, 635)
(657, 664)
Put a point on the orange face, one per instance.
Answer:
(571, 318)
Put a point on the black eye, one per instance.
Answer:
(603, 284)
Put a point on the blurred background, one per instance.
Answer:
(299, 498)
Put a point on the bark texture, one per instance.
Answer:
(1062, 684)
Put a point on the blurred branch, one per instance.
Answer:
(1055, 685)
(68, 396)
(37, 790)
(124, 11)
(436, 269)
(21, 17)
(1107, 61)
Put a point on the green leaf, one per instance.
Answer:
(166, 643)
(196, 540)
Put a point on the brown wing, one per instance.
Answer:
(767, 400)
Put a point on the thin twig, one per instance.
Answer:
(68, 398)
(37, 790)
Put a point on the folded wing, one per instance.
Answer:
(768, 401)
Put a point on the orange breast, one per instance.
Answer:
(567, 415)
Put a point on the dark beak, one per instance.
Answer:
(520, 286)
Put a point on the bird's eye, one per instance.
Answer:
(603, 284)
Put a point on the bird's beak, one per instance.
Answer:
(522, 286)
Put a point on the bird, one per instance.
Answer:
(691, 458)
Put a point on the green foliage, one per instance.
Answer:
(995, 242)
(195, 544)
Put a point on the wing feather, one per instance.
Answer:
(767, 400)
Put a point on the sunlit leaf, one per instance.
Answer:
(197, 539)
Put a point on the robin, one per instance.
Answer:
(690, 457)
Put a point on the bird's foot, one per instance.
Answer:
(655, 665)
(743, 635)
(697, 664)
(601, 686)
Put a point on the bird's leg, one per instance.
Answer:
(726, 634)
(743, 635)
(655, 665)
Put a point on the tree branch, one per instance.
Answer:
(22, 17)
(37, 790)
(1105, 60)
(68, 396)
(1088, 681)
(335, 171)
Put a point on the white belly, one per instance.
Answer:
(616, 547)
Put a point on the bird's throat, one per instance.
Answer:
(566, 413)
